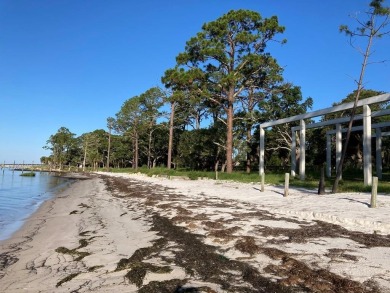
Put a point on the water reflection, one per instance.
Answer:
(20, 196)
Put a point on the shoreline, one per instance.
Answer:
(31, 223)
(40, 197)
(32, 259)
(85, 237)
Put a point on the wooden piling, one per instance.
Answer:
(262, 182)
(374, 191)
(286, 184)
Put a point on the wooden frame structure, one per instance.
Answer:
(366, 117)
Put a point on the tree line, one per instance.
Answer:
(206, 117)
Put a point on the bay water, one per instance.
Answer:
(20, 196)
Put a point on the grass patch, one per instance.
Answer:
(352, 179)
(28, 174)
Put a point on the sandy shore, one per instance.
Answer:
(131, 233)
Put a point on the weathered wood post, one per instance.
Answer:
(286, 184)
(262, 182)
(374, 192)
(261, 151)
(328, 156)
(302, 158)
(293, 152)
(216, 174)
(321, 185)
(378, 152)
(367, 145)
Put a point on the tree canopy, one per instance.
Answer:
(224, 84)
(226, 58)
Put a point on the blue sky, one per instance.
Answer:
(73, 63)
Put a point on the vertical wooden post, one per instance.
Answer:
(367, 145)
(302, 156)
(293, 152)
(261, 151)
(378, 152)
(339, 145)
(286, 184)
(216, 174)
(321, 185)
(328, 156)
(262, 182)
(374, 191)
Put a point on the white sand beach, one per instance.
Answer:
(121, 233)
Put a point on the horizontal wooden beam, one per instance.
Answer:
(338, 108)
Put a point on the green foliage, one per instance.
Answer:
(377, 18)
(288, 101)
(28, 174)
(352, 180)
(226, 74)
(364, 94)
(198, 150)
(224, 59)
(94, 146)
(63, 146)
(138, 115)
(354, 151)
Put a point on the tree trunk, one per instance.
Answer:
(216, 166)
(248, 152)
(348, 135)
(223, 167)
(229, 132)
(108, 150)
(149, 150)
(197, 121)
(136, 150)
(170, 143)
(85, 156)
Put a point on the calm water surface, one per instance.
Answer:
(21, 196)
